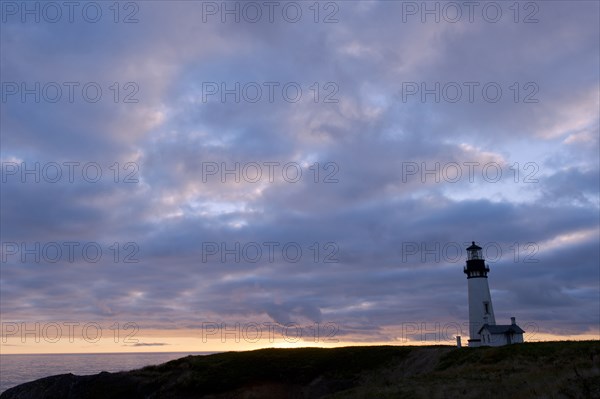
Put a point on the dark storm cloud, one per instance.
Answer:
(371, 133)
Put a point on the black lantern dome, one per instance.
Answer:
(476, 267)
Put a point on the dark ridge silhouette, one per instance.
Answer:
(568, 369)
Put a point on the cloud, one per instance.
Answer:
(380, 215)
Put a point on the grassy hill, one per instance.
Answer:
(530, 370)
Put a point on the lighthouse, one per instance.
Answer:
(480, 301)
(483, 330)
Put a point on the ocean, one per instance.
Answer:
(17, 369)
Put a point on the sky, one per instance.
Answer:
(211, 176)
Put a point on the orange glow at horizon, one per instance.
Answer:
(186, 341)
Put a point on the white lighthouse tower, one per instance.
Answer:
(481, 310)
(483, 329)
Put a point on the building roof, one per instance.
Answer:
(502, 329)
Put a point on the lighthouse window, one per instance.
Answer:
(486, 306)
